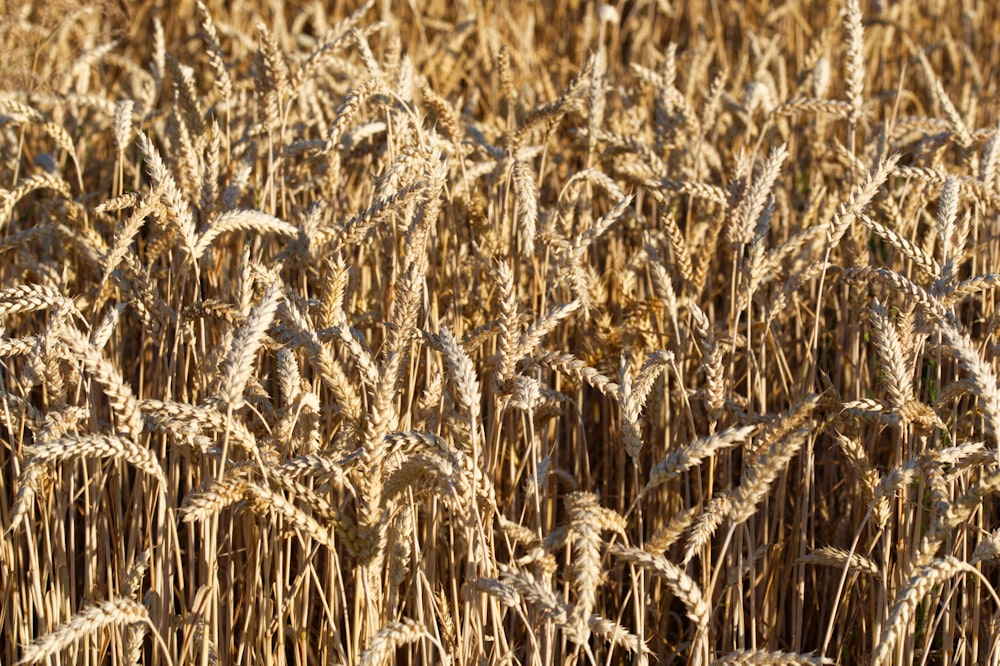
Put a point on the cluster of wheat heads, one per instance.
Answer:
(499, 333)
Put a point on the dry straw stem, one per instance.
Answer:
(115, 612)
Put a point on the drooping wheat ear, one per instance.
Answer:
(217, 59)
(682, 586)
(909, 597)
(986, 387)
(704, 526)
(916, 294)
(989, 164)
(631, 410)
(958, 127)
(135, 633)
(38, 181)
(585, 526)
(908, 249)
(447, 117)
(264, 501)
(216, 496)
(64, 142)
(509, 327)
(187, 92)
(356, 228)
(29, 298)
(615, 634)
(855, 61)
(890, 350)
(115, 612)
(683, 459)
(527, 207)
(947, 217)
(324, 362)
(782, 441)
(271, 78)
(773, 658)
(463, 375)
(395, 634)
(121, 243)
(667, 535)
(542, 326)
(711, 361)
(71, 447)
(870, 478)
(956, 513)
(580, 371)
(744, 218)
(239, 363)
(120, 395)
(243, 220)
(860, 197)
(179, 211)
(831, 556)
(208, 199)
(549, 602)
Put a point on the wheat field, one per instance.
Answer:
(650, 332)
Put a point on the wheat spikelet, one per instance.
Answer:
(769, 464)
(115, 612)
(890, 351)
(861, 196)
(218, 495)
(744, 218)
(463, 375)
(927, 264)
(29, 298)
